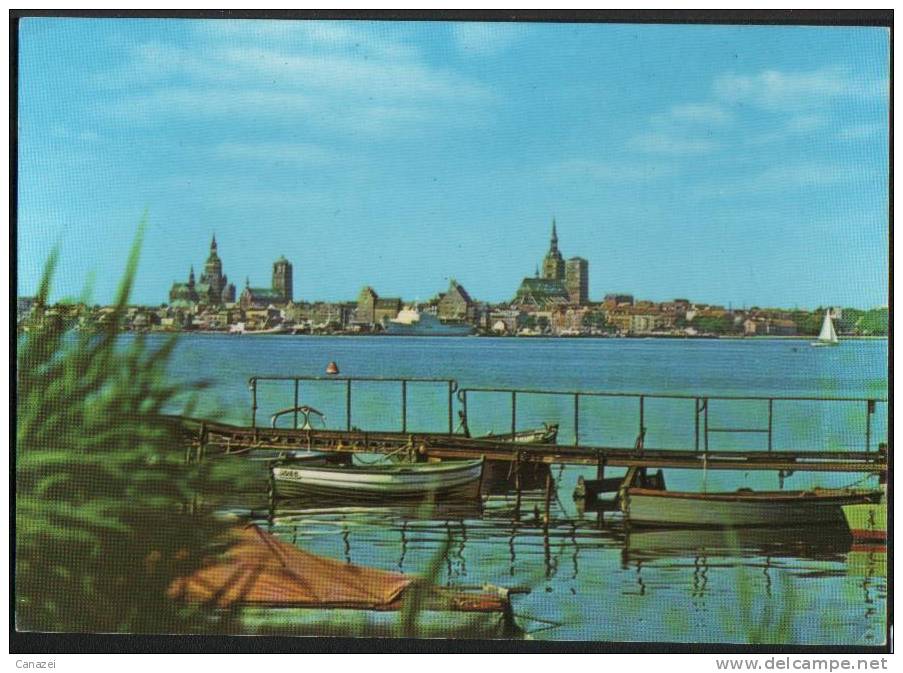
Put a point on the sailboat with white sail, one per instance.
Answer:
(827, 336)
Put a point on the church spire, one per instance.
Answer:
(213, 243)
(191, 277)
(554, 245)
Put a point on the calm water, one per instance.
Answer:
(591, 578)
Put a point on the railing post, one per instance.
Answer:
(253, 402)
(451, 426)
(705, 401)
(576, 419)
(404, 405)
(696, 428)
(348, 404)
(297, 386)
(869, 410)
(464, 406)
(642, 412)
(513, 414)
(770, 416)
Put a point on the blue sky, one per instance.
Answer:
(726, 164)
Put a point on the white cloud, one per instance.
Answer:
(671, 143)
(784, 178)
(862, 131)
(706, 113)
(776, 90)
(306, 73)
(276, 152)
(486, 39)
(609, 171)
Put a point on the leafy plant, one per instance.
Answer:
(105, 503)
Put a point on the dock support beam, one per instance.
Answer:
(547, 515)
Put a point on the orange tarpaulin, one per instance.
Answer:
(260, 569)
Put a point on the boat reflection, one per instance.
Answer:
(823, 544)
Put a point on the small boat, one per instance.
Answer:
(267, 585)
(547, 434)
(382, 480)
(651, 505)
(868, 521)
(827, 336)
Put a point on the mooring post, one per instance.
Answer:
(642, 412)
(705, 407)
(770, 416)
(513, 414)
(548, 509)
(517, 485)
(600, 466)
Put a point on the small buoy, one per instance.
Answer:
(332, 368)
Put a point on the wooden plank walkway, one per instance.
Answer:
(208, 437)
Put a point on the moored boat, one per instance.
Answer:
(547, 434)
(383, 480)
(868, 521)
(645, 506)
(645, 502)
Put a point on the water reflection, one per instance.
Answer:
(571, 560)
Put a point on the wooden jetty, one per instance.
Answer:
(203, 437)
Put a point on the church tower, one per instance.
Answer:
(282, 278)
(553, 263)
(212, 277)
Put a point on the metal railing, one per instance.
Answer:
(701, 409)
(702, 429)
(347, 381)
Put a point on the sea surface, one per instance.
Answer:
(591, 577)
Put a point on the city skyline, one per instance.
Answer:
(729, 164)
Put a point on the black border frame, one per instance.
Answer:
(60, 643)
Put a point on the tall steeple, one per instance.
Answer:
(191, 277)
(553, 262)
(213, 244)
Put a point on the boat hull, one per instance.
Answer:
(414, 481)
(867, 522)
(651, 507)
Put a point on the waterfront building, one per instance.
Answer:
(613, 300)
(282, 278)
(553, 267)
(456, 304)
(540, 293)
(559, 283)
(212, 289)
(258, 297)
(372, 309)
(576, 280)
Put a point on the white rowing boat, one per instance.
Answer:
(651, 506)
(384, 480)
